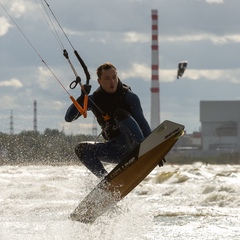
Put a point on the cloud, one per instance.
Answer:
(71, 32)
(136, 37)
(137, 70)
(11, 83)
(18, 8)
(21, 9)
(223, 75)
(4, 26)
(15, 8)
(224, 39)
(215, 1)
(142, 71)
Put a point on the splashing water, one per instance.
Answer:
(173, 202)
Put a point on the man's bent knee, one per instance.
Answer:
(81, 148)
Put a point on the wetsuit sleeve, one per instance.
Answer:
(72, 112)
(133, 101)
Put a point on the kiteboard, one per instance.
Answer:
(134, 167)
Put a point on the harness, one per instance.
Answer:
(109, 103)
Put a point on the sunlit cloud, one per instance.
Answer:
(71, 32)
(225, 39)
(136, 37)
(4, 26)
(227, 75)
(215, 1)
(132, 37)
(11, 83)
(21, 8)
(18, 8)
(142, 71)
(104, 36)
(140, 37)
(137, 70)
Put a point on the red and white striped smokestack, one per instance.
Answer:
(155, 100)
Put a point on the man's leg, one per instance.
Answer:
(86, 154)
(129, 128)
(92, 155)
(113, 151)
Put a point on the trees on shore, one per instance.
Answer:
(50, 147)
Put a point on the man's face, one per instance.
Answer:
(109, 80)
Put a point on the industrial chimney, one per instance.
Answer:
(155, 100)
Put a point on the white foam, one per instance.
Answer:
(195, 202)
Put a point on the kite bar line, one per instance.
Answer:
(65, 54)
(83, 110)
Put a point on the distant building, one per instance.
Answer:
(188, 145)
(220, 123)
(220, 131)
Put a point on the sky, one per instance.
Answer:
(205, 33)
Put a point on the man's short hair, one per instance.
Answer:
(104, 66)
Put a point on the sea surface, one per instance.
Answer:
(174, 202)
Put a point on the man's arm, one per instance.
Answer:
(72, 114)
(137, 113)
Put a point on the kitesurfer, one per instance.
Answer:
(119, 113)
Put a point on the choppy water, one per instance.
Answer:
(174, 202)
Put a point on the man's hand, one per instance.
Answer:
(87, 88)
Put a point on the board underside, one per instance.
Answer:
(126, 176)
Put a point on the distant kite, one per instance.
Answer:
(181, 68)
